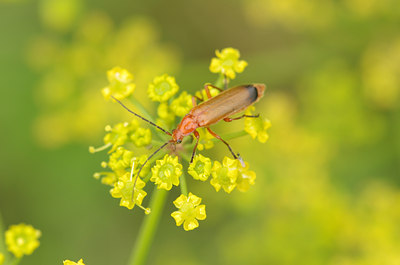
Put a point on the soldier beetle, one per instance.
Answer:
(220, 107)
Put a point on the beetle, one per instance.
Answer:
(220, 107)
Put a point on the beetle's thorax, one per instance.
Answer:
(185, 127)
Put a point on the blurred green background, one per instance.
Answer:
(328, 180)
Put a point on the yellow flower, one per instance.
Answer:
(107, 178)
(227, 63)
(257, 127)
(189, 212)
(182, 105)
(120, 160)
(1, 258)
(167, 117)
(166, 172)
(141, 137)
(120, 84)
(200, 169)
(68, 262)
(118, 134)
(225, 175)
(203, 94)
(162, 88)
(22, 239)
(245, 178)
(205, 139)
(123, 189)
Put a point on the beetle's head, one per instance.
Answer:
(177, 136)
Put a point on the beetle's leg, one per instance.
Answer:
(241, 117)
(208, 90)
(229, 147)
(194, 101)
(197, 135)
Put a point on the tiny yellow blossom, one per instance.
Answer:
(141, 137)
(162, 88)
(182, 104)
(118, 134)
(245, 178)
(123, 189)
(68, 262)
(205, 140)
(257, 127)
(227, 63)
(107, 178)
(120, 84)
(189, 212)
(225, 175)
(166, 172)
(1, 258)
(166, 116)
(22, 239)
(120, 160)
(200, 168)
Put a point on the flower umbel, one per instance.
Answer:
(189, 211)
(162, 88)
(22, 239)
(166, 172)
(227, 63)
(68, 262)
(120, 85)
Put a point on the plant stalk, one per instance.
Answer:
(148, 229)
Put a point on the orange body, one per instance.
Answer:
(224, 105)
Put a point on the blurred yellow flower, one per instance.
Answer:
(189, 211)
(120, 85)
(257, 127)
(182, 104)
(227, 63)
(22, 239)
(68, 262)
(205, 141)
(1, 258)
(245, 178)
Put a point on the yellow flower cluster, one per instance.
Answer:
(130, 172)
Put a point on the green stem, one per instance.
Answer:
(183, 185)
(229, 136)
(15, 261)
(2, 244)
(142, 109)
(185, 156)
(147, 231)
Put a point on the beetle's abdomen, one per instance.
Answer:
(227, 103)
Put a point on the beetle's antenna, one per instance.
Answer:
(145, 162)
(137, 115)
